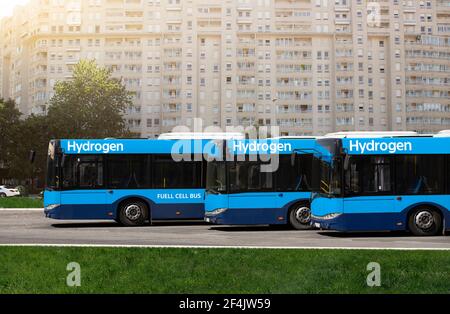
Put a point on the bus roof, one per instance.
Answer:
(443, 133)
(201, 135)
(295, 137)
(371, 134)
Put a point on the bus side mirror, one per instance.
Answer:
(346, 162)
(293, 155)
(32, 156)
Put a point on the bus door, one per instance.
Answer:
(83, 191)
(251, 191)
(368, 186)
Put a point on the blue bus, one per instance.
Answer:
(131, 181)
(385, 182)
(258, 182)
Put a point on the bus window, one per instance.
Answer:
(128, 171)
(247, 176)
(294, 178)
(352, 176)
(170, 174)
(52, 180)
(368, 175)
(377, 174)
(420, 174)
(216, 177)
(82, 172)
(330, 177)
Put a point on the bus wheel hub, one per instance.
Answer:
(133, 212)
(303, 215)
(424, 220)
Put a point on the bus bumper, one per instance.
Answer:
(335, 223)
(362, 222)
(246, 216)
(53, 211)
(217, 216)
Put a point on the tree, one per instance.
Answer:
(32, 134)
(91, 105)
(9, 126)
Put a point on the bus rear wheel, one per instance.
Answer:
(300, 216)
(133, 213)
(425, 221)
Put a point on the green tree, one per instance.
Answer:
(33, 134)
(9, 126)
(91, 105)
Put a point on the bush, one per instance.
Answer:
(23, 190)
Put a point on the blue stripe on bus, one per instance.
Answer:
(253, 208)
(100, 204)
(137, 146)
(375, 212)
(363, 222)
(399, 145)
(249, 216)
(100, 211)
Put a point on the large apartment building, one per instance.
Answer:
(308, 66)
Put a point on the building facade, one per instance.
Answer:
(308, 66)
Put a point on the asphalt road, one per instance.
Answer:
(31, 227)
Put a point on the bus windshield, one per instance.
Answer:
(216, 177)
(330, 177)
(52, 164)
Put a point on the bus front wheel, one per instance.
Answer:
(133, 213)
(300, 216)
(425, 221)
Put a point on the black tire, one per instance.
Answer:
(425, 221)
(299, 216)
(133, 213)
(2, 194)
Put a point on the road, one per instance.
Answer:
(31, 227)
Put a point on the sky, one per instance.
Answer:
(7, 6)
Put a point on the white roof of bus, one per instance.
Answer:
(443, 133)
(288, 137)
(370, 134)
(201, 135)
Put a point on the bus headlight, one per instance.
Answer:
(217, 211)
(327, 216)
(51, 206)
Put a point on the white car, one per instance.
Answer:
(7, 192)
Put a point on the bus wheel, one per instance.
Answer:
(425, 221)
(133, 213)
(300, 217)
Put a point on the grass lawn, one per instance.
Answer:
(21, 202)
(173, 270)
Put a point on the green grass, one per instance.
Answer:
(21, 202)
(133, 270)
